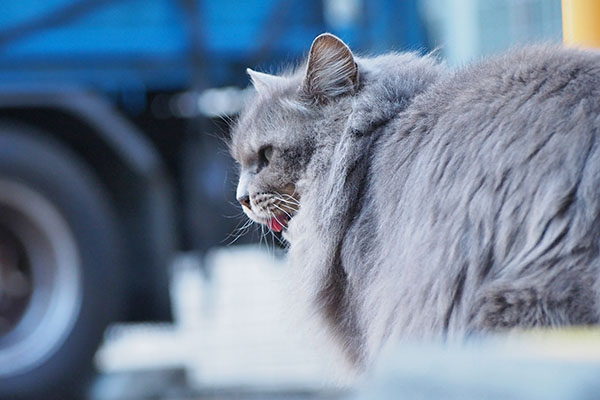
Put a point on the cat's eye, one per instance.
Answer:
(264, 155)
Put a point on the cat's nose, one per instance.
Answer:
(244, 201)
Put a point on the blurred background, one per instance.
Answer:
(124, 271)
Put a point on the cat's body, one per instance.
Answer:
(431, 202)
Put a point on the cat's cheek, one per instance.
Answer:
(302, 185)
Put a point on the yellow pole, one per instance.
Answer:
(581, 22)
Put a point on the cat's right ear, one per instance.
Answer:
(331, 70)
(263, 83)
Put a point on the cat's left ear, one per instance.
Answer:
(262, 82)
(331, 69)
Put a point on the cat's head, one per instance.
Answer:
(295, 120)
(280, 131)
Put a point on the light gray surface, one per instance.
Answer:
(528, 368)
(237, 334)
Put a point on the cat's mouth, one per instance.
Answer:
(278, 222)
(275, 210)
(275, 221)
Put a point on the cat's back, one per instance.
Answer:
(530, 109)
(536, 107)
(527, 79)
(495, 166)
(545, 70)
(495, 173)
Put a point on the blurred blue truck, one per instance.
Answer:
(111, 158)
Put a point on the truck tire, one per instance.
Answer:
(59, 267)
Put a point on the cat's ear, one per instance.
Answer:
(331, 70)
(263, 82)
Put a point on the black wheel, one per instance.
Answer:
(59, 265)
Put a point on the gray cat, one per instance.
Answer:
(422, 202)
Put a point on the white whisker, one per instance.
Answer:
(282, 210)
(293, 207)
(288, 199)
(289, 204)
(245, 226)
(238, 232)
(291, 196)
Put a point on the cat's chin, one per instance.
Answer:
(285, 234)
(290, 233)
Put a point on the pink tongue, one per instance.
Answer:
(276, 224)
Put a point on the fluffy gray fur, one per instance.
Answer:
(432, 203)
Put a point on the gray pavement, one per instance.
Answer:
(237, 334)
